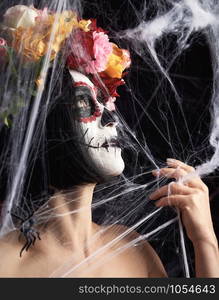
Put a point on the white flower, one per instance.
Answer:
(20, 15)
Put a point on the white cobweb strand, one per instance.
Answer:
(17, 183)
(119, 250)
(185, 16)
(183, 247)
(182, 239)
(20, 172)
(213, 163)
(63, 273)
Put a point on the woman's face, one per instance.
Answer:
(98, 127)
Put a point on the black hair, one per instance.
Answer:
(58, 159)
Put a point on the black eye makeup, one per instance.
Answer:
(84, 105)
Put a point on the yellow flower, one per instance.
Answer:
(48, 33)
(84, 25)
(118, 61)
(31, 45)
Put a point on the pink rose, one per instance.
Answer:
(102, 48)
(90, 51)
(42, 14)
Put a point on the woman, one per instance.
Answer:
(75, 145)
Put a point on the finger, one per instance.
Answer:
(172, 188)
(177, 163)
(196, 183)
(192, 180)
(173, 200)
(170, 173)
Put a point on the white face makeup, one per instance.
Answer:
(100, 136)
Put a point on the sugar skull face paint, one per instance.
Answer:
(86, 106)
(97, 125)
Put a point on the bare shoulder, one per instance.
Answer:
(139, 253)
(10, 246)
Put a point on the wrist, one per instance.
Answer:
(202, 234)
(209, 240)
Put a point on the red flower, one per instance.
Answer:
(93, 26)
(92, 53)
(81, 49)
(110, 83)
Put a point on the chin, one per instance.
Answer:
(115, 170)
(109, 161)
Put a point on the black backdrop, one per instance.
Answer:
(192, 75)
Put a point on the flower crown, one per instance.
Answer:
(32, 33)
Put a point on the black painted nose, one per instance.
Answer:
(109, 118)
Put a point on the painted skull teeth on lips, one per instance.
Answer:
(112, 142)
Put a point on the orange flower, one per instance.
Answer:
(48, 33)
(84, 25)
(118, 61)
(31, 46)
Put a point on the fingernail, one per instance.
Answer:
(171, 159)
(156, 172)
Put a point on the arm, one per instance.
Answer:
(206, 258)
(191, 197)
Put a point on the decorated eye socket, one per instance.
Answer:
(83, 103)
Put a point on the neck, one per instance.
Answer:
(72, 223)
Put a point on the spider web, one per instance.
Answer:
(168, 108)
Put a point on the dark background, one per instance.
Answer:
(191, 74)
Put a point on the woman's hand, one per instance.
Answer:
(190, 195)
